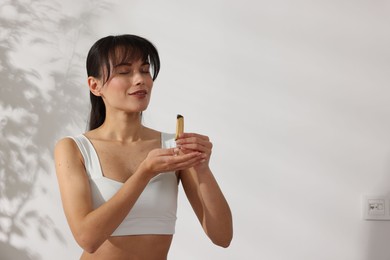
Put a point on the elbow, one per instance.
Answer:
(222, 236)
(87, 243)
(223, 242)
(90, 249)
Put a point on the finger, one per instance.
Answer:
(166, 151)
(189, 163)
(196, 144)
(194, 139)
(194, 147)
(181, 157)
(187, 135)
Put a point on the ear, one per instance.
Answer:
(95, 86)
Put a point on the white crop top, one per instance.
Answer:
(155, 210)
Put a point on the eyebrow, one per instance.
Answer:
(123, 64)
(130, 64)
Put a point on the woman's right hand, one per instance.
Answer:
(172, 159)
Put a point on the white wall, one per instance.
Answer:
(294, 95)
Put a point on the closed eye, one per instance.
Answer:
(123, 69)
(126, 68)
(145, 69)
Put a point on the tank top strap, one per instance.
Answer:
(91, 159)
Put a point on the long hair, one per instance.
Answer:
(105, 54)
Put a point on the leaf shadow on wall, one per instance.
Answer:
(32, 117)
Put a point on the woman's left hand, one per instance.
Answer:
(188, 142)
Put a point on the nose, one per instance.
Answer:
(138, 79)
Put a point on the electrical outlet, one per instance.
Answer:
(376, 207)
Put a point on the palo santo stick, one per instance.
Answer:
(179, 126)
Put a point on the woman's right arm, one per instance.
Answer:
(91, 227)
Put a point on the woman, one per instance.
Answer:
(119, 180)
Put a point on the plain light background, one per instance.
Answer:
(293, 94)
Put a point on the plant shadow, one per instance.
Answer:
(34, 115)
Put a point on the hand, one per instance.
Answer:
(165, 160)
(191, 142)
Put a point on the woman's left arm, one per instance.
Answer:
(203, 192)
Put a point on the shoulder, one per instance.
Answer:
(155, 134)
(66, 147)
(67, 142)
(167, 139)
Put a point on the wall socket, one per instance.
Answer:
(376, 207)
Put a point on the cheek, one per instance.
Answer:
(149, 82)
(118, 84)
(149, 78)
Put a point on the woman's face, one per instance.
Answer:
(129, 87)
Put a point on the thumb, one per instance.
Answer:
(174, 151)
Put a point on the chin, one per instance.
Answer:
(139, 109)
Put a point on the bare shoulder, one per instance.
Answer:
(65, 145)
(65, 142)
(151, 133)
(67, 152)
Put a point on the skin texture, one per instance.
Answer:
(122, 136)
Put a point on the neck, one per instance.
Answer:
(122, 127)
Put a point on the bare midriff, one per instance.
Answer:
(134, 247)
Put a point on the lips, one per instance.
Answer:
(139, 93)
